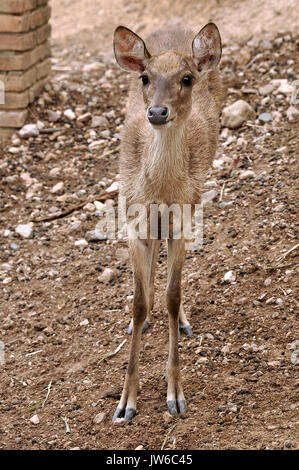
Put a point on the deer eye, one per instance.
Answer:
(187, 80)
(144, 79)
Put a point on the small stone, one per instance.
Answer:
(225, 349)
(84, 117)
(247, 174)
(292, 111)
(267, 89)
(98, 418)
(229, 276)
(24, 230)
(139, 447)
(7, 280)
(53, 116)
(267, 281)
(235, 115)
(265, 117)
(208, 197)
(96, 144)
(84, 322)
(224, 204)
(89, 207)
(57, 188)
(93, 236)
(107, 275)
(34, 419)
(113, 187)
(81, 243)
(55, 172)
(29, 130)
(99, 121)
(69, 114)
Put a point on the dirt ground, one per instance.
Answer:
(59, 321)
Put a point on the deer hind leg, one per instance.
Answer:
(154, 250)
(175, 395)
(184, 325)
(141, 255)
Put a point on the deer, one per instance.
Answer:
(168, 142)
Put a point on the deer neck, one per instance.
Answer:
(166, 157)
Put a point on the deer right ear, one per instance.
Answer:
(206, 48)
(129, 50)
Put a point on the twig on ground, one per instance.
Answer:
(168, 434)
(70, 210)
(67, 428)
(287, 253)
(112, 353)
(48, 393)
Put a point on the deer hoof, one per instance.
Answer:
(187, 329)
(171, 404)
(123, 415)
(144, 328)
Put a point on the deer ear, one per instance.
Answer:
(129, 50)
(206, 48)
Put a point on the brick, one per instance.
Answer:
(6, 133)
(17, 6)
(13, 118)
(36, 89)
(23, 23)
(24, 60)
(43, 33)
(15, 100)
(39, 17)
(17, 42)
(18, 81)
(43, 68)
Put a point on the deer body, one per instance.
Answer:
(168, 143)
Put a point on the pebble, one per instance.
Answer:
(84, 117)
(99, 121)
(84, 322)
(247, 174)
(267, 89)
(236, 114)
(267, 281)
(53, 116)
(292, 111)
(139, 447)
(98, 418)
(81, 243)
(89, 207)
(265, 117)
(57, 188)
(24, 230)
(69, 114)
(107, 275)
(113, 187)
(34, 419)
(208, 197)
(29, 130)
(229, 276)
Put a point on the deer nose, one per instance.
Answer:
(157, 114)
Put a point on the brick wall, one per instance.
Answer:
(24, 58)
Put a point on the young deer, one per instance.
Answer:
(169, 141)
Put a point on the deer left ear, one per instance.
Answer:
(206, 48)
